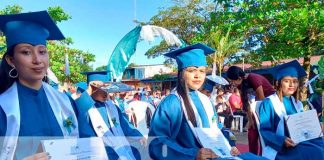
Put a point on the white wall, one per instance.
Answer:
(151, 70)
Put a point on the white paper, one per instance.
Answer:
(76, 149)
(303, 126)
(214, 139)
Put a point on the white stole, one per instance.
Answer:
(280, 110)
(114, 138)
(208, 109)
(9, 102)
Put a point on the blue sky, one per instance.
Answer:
(98, 25)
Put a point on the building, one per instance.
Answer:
(134, 75)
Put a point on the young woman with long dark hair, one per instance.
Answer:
(272, 111)
(30, 107)
(178, 117)
(262, 87)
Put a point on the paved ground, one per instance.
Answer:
(242, 141)
(241, 137)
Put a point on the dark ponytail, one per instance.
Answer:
(234, 73)
(5, 80)
(182, 90)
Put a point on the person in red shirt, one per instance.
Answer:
(236, 104)
(262, 88)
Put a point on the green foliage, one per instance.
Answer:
(280, 29)
(184, 19)
(58, 14)
(11, 10)
(225, 45)
(57, 62)
(132, 65)
(157, 50)
(321, 67)
(161, 77)
(58, 49)
(101, 68)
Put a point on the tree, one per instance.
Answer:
(101, 68)
(225, 45)
(185, 19)
(78, 59)
(275, 29)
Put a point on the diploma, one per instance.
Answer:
(214, 139)
(303, 126)
(76, 149)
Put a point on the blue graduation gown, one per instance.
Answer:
(169, 127)
(171, 136)
(312, 149)
(86, 129)
(37, 119)
(123, 106)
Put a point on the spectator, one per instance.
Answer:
(262, 87)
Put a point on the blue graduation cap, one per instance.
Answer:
(97, 76)
(208, 85)
(33, 28)
(194, 55)
(292, 68)
(81, 86)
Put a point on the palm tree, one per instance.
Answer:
(225, 46)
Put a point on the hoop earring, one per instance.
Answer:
(10, 73)
(45, 79)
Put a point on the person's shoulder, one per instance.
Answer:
(266, 101)
(171, 98)
(254, 75)
(170, 101)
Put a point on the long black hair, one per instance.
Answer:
(183, 90)
(234, 73)
(5, 80)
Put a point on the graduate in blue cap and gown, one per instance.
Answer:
(207, 89)
(285, 101)
(80, 88)
(99, 116)
(186, 109)
(30, 108)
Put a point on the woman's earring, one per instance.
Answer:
(45, 79)
(10, 73)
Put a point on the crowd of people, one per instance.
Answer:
(184, 122)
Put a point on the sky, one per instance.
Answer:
(98, 25)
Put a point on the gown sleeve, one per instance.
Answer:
(165, 126)
(84, 103)
(3, 126)
(268, 125)
(3, 123)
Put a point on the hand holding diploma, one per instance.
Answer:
(289, 142)
(206, 153)
(303, 126)
(38, 156)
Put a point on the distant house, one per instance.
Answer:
(134, 75)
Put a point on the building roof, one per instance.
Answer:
(268, 64)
